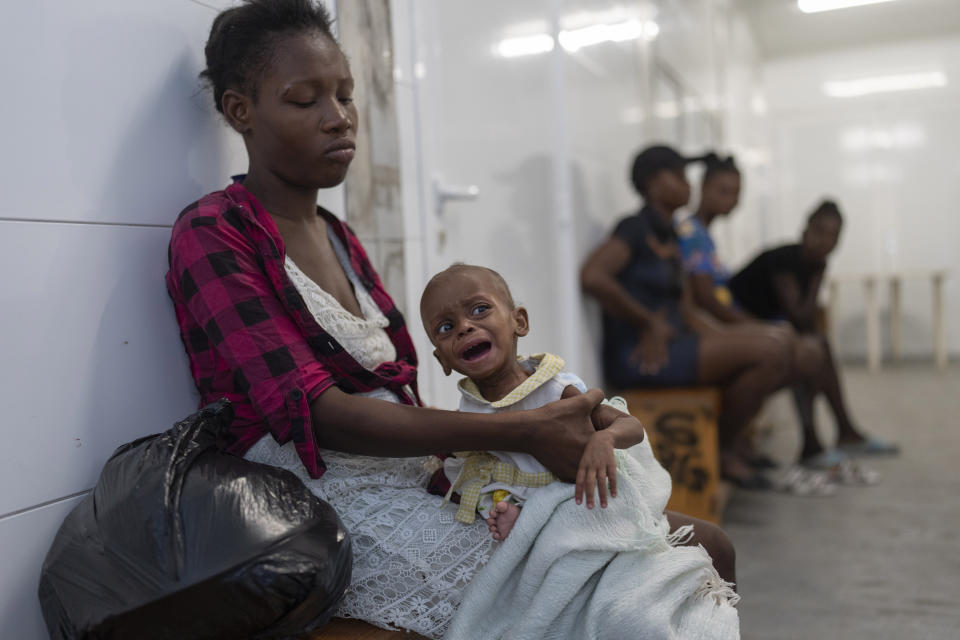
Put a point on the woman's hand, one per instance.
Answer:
(598, 466)
(652, 352)
(563, 432)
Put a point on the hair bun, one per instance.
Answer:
(710, 159)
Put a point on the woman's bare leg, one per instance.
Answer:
(830, 385)
(803, 396)
(713, 539)
(748, 366)
(810, 361)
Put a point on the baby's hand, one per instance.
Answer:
(598, 466)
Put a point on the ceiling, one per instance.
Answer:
(782, 30)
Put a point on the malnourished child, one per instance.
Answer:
(565, 571)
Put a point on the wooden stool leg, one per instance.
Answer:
(832, 298)
(873, 323)
(939, 322)
(896, 318)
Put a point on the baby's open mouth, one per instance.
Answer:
(476, 351)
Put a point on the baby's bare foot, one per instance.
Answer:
(501, 520)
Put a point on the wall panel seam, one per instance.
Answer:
(20, 512)
(204, 4)
(95, 223)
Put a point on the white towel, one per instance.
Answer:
(601, 574)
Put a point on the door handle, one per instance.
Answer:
(443, 193)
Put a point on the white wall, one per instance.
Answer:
(890, 160)
(549, 139)
(107, 136)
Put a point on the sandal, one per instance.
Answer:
(850, 473)
(824, 460)
(800, 481)
(870, 446)
(752, 482)
(734, 470)
(761, 462)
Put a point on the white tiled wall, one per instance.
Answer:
(108, 135)
(25, 540)
(107, 119)
(93, 356)
(548, 139)
(890, 160)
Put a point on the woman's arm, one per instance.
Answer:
(555, 434)
(599, 278)
(800, 308)
(694, 317)
(704, 296)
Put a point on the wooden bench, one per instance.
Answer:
(342, 629)
(682, 427)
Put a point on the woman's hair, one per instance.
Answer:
(826, 208)
(243, 39)
(651, 161)
(715, 164)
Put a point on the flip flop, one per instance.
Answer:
(851, 473)
(800, 481)
(761, 462)
(752, 482)
(825, 459)
(870, 446)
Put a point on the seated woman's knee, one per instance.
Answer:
(809, 355)
(719, 546)
(715, 540)
(774, 351)
(783, 332)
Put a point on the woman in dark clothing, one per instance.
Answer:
(652, 334)
(783, 284)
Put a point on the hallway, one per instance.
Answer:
(874, 562)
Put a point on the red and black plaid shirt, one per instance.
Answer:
(248, 333)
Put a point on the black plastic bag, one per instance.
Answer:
(179, 540)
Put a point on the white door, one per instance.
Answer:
(523, 148)
(487, 143)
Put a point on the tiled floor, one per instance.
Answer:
(878, 562)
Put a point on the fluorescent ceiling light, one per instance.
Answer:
(906, 135)
(884, 84)
(576, 39)
(816, 6)
(573, 40)
(525, 46)
(667, 110)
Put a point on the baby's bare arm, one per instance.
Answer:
(598, 467)
(626, 430)
(598, 464)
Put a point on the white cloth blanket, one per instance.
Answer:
(602, 574)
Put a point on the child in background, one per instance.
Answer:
(474, 325)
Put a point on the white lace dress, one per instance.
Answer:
(411, 559)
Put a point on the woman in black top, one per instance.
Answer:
(652, 334)
(783, 284)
